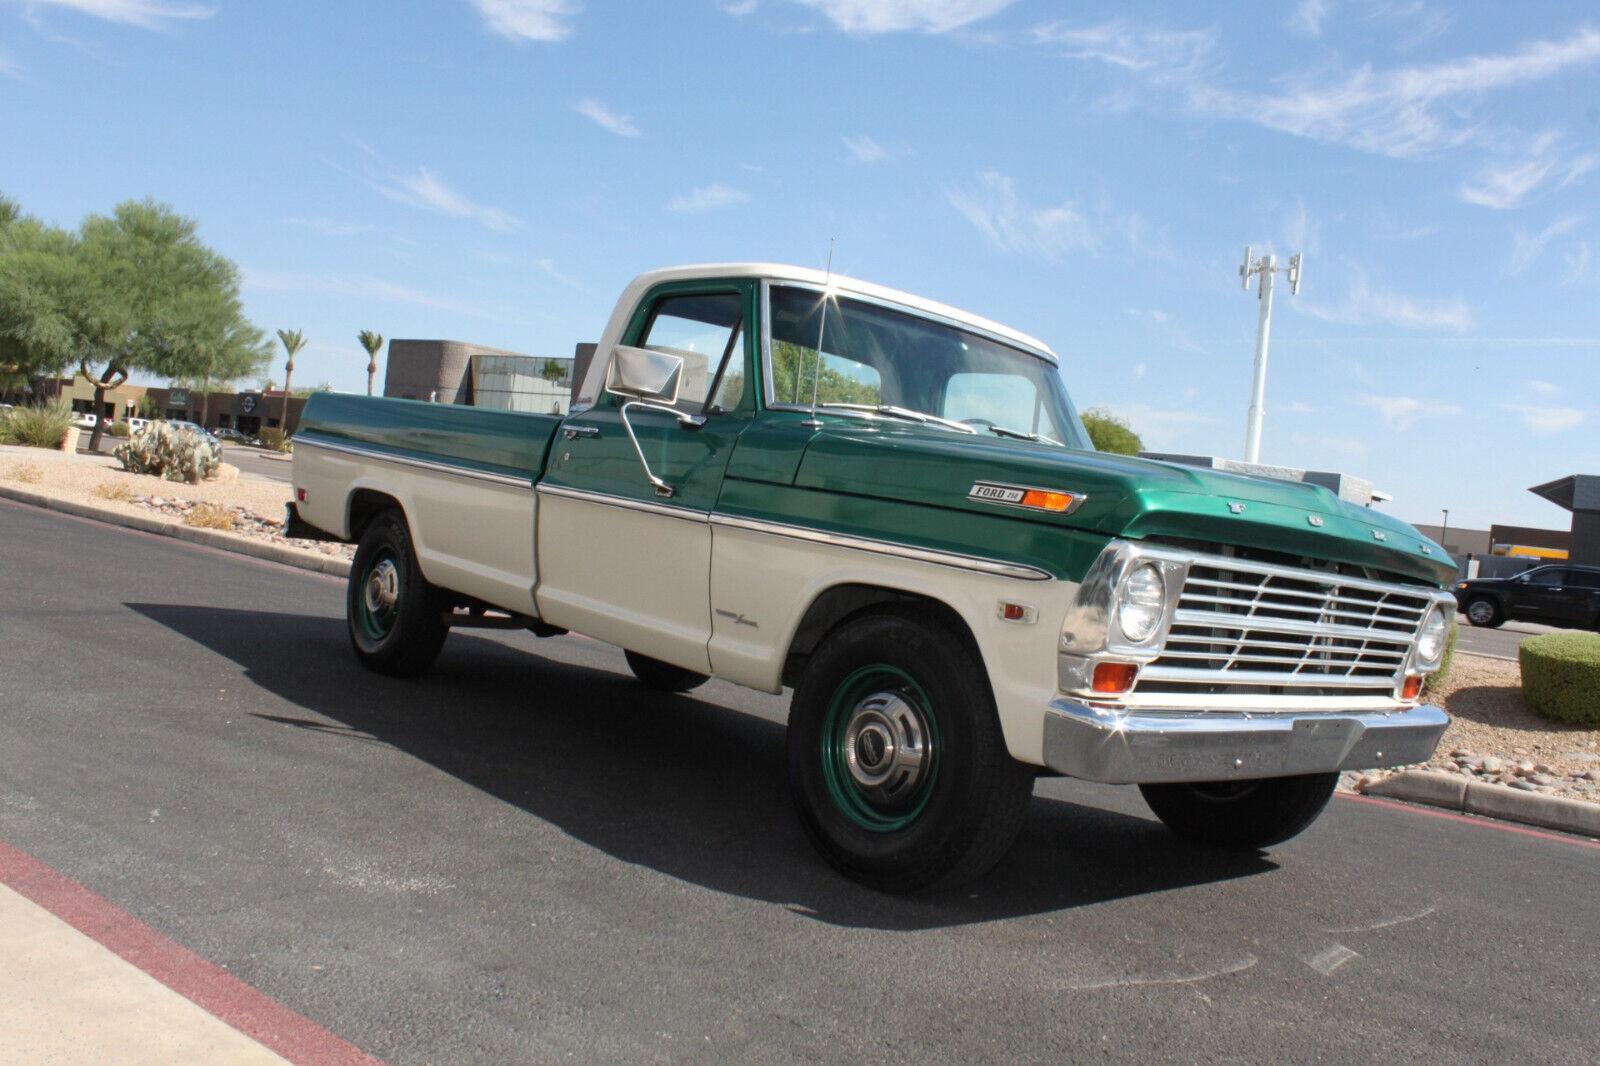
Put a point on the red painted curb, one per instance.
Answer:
(203, 983)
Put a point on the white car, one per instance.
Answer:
(137, 425)
(84, 420)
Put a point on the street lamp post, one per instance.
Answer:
(1444, 528)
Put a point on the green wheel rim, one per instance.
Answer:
(378, 595)
(880, 748)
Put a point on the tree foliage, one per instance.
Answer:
(133, 290)
(371, 342)
(793, 368)
(1110, 433)
(292, 340)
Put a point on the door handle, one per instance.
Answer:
(574, 432)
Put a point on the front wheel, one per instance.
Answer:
(897, 765)
(395, 616)
(1483, 611)
(663, 677)
(1242, 815)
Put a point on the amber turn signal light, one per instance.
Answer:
(1047, 501)
(1113, 679)
(1412, 689)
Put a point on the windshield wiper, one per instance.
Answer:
(1017, 434)
(902, 412)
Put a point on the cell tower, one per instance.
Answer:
(1264, 268)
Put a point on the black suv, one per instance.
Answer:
(1557, 595)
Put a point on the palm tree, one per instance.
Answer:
(293, 341)
(371, 342)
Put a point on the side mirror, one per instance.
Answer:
(642, 374)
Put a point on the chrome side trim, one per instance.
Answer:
(605, 499)
(1019, 571)
(305, 440)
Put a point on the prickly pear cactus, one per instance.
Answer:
(176, 455)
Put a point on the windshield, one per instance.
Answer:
(898, 364)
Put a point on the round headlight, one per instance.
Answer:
(1430, 641)
(1140, 603)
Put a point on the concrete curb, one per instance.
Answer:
(210, 538)
(1456, 792)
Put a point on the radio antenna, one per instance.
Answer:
(822, 326)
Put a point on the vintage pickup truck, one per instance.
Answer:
(784, 478)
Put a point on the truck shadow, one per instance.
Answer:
(690, 786)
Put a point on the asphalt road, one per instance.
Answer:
(1500, 643)
(524, 857)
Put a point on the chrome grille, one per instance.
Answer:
(1246, 627)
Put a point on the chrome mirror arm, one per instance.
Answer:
(687, 421)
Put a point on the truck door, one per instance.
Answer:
(624, 535)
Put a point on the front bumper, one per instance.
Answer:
(1119, 747)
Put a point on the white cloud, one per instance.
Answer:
(1302, 232)
(606, 119)
(1547, 387)
(1013, 226)
(1578, 261)
(1399, 413)
(1365, 306)
(1526, 248)
(332, 227)
(892, 16)
(741, 7)
(864, 149)
(425, 190)
(361, 287)
(146, 14)
(1503, 185)
(708, 198)
(1164, 56)
(529, 20)
(1161, 429)
(1546, 420)
(1308, 16)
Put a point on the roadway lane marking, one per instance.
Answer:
(1487, 823)
(203, 983)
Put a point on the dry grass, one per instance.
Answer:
(26, 473)
(210, 516)
(113, 490)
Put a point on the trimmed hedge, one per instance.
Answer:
(1561, 676)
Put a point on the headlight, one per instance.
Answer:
(1140, 603)
(1430, 642)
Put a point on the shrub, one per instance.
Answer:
(1435, 679)
(26, 473)
(274, 438)
(38, 426)
(210, 516)
(113, 490)
(120, 429)
(172, 454)
(1561, 676)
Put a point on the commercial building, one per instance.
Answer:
(458, 372)
(249, 411)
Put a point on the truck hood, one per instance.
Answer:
(1123, 496)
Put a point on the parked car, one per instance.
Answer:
(1559, 595)
(84, 420)
(138, 425)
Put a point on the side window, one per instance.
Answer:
(705, 331)
(1588, 579)
(1552, 575)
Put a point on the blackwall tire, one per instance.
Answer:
(394, 616)
(1242, 815)
(897, 765)
(1484, 612)
(663, 677)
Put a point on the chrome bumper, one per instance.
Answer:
(1119, 747)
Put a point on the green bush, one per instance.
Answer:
(1435, 679)
(274, 438)
(120, 429)
(1561, 676)
(172, 454)
(39, 426)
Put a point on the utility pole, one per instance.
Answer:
(1265, 268)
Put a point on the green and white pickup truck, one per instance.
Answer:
(784, 478)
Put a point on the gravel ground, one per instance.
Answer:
(1493, 736)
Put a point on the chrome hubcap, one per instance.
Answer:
(885, 746)
(383, 588)
(1480, 611)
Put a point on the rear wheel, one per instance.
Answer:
(663, 677)
(1242, 815)
(897, 765)
(395, 617)
(1483, 611)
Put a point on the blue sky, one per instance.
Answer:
(495, 170)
